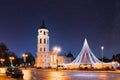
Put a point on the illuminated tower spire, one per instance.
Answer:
(43, 25)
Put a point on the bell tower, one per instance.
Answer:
(42, 59)
(43, 39)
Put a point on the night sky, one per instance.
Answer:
(69, 23)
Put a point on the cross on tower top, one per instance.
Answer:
(43, 25)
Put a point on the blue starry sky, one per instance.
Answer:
(69, 23)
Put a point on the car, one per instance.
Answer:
(14, 72)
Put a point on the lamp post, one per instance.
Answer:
(24, 57)
(56, 49)
(2, 60)
(11, 59)
(102, 48)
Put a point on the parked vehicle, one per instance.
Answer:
(14, 72)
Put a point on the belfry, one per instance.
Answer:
(42, 59)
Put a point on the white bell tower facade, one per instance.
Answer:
(43, 59)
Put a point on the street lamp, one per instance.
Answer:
(2, 60)
(24, 57)
(11, 58)
(56, 49)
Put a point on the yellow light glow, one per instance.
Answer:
(25, 55)
(11, 58)
(2, 60)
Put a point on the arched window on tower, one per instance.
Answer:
(44, 33)
(44, 41)
(47, 41)
(40, 41)
(40, 49)
(44, 49)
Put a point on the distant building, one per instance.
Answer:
(68, 58)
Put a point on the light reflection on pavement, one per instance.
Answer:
(39, 74)
(4, 77)
(71, 75)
